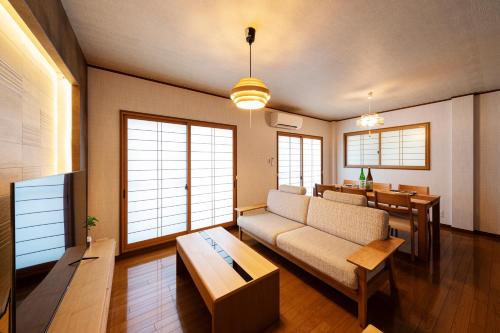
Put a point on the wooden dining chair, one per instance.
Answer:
(401, 217)
(417, 189)
(382, 186)
(319, 189)
(353, 190)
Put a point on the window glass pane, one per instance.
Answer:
(289, 169)
(312, 163)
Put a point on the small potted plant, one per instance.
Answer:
(91, 222)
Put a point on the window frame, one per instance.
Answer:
(302, 137)
(124, 116)
(427, 165)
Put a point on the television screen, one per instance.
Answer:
(48, 220)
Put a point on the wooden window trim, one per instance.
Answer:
(124, 116)
(427, 165)
(301, 136)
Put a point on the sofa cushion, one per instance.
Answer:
(357, 224)
(347, 198)
(324, 252)
(291, 206)
(293, 189)
(267, 225)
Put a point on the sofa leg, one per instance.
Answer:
(390, 267)
(240, 233)
(363, 297)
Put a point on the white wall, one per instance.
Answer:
(109, 93)
(438, 178)
(465, 158)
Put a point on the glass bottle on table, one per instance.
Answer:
(369, 181)
(362, 180)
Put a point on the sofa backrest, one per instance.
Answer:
(357, 224)
(289, 205)
(293, 189)
(347, 198)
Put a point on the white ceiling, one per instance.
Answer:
(318, 57)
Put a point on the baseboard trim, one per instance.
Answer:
(156, 247)
(487, 234)
(470, 232)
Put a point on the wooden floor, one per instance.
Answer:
(457, 292)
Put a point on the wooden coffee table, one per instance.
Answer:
(239, 286)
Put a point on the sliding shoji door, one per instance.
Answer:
(177, 176)
(300, 160)
(289, 160)
(212, 176)
(155, 193)
(312, 163)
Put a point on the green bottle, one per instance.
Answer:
(362, 180)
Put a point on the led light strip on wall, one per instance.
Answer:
(12, 26)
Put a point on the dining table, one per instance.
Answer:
(427, 205)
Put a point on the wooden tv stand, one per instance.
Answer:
(84, 307)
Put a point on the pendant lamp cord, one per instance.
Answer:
(250, 44)
(370, 110)
(250, 59)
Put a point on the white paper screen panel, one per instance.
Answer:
(413, 147)
(211, 176)
(353, 148)
(363, 149)
(369, 149)
(157, 179)
(391, 148)
(289, 160)
(404, 147)
(311, 149)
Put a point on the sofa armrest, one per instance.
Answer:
(241, 210)
(373, 254)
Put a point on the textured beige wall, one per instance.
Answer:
(26, 131)
(462, 170)
(487, 163)
(111, 92)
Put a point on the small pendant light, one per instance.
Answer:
(370, 119)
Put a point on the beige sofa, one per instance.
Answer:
(336, 238)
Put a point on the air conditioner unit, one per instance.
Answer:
(286, 120)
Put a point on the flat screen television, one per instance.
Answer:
(49, 238)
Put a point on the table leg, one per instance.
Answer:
(423, 240)
(436, 224)
(179, 264)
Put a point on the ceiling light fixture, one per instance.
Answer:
(250, 93)
(370, 119)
